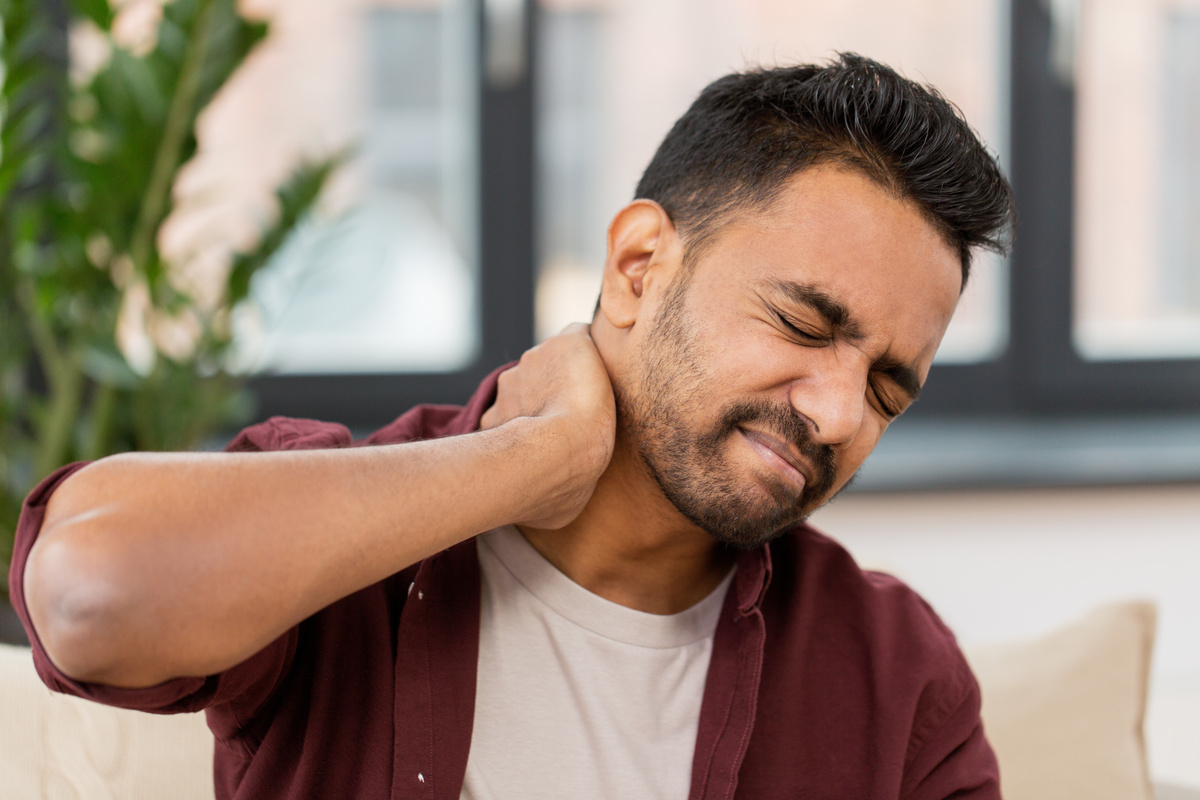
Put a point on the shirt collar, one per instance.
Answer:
(753, 578)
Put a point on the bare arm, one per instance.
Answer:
(154, 566)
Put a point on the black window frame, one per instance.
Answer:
(507, 266)
(1040, 377)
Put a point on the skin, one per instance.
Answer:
(148, 565)
(832, 232)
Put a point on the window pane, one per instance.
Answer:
(1137, 238)
(611, 84)
(385, 281)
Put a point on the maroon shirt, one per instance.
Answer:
(825, 681)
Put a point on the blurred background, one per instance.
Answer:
(482, 146)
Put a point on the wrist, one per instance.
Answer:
(532, 457)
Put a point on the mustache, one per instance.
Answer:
(786, 424)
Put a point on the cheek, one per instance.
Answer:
(758, 360)
(850, 459)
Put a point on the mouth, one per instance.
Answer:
(779, 456)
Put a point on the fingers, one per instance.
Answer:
(577, 328)
(561, 386)
(545, 377)
(500, 411)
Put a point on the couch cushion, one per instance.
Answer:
(53, 746)
(1064, 712)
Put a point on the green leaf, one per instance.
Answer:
(296, 198)
(65, 390)
(98, 11)
(141, 85)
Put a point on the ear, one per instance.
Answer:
(644, 252)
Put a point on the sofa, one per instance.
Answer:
(1064, 713)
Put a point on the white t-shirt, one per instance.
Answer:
(576, 696)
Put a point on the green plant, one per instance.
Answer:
(87, 168)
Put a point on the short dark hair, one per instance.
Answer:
(747, 133)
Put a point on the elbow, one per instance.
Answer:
(74, 604)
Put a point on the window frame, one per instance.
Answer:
(1039, 377)
(506, 269)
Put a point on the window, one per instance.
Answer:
(380, 306)
(1137, 235)
(1049, 411)
(1088, 334)
(387, 282)
(611, 85)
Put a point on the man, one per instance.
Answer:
(645, 613)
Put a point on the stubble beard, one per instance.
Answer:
(693, 469)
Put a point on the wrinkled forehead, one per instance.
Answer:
(740, 204)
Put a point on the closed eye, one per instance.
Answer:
(797, 331)
(887, 406)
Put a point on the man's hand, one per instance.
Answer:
(562, 387)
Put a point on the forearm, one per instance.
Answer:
(151, 566)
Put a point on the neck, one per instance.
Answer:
(632, 547)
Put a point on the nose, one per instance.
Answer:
(833, 400)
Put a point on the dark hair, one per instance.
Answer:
(747, 133)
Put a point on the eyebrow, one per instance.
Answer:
(838, 317)
(835, 314)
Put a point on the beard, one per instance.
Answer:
(693, 468)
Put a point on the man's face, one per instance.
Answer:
(771, 369)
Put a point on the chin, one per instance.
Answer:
(744, 519)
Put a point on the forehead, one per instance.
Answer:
(835, 231)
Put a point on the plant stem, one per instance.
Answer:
(64, 378)
(54, 434)
(96, 444)
(175, 130)
(144, 426)
(40, 334)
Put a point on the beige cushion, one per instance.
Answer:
(1064, 712)
(54, 747)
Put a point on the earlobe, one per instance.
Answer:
(642, 249)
